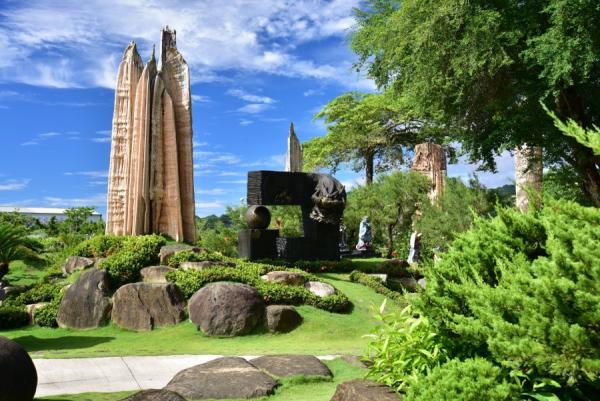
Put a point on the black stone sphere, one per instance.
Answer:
(18, 377)
(258, 217)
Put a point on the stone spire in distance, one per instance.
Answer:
(293, 159)
(151, 183)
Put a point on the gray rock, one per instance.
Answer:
(229, 377)
(422, 282)
(144, 306)
(205, 264)
(292, 365)
(86, 303)
(155, 274)
(31, 308)
(320, 289)
(382, 277)
(226, 309)
(364, 390)
(169, 250)
(74, 263)
(18, 377)
(284, 277)
(282, 318)
(355, 361)
(98, 262)
(154, 395)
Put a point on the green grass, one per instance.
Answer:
(292, 389)
(321, 333)
(22, 273)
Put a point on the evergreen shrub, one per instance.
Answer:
(99, 246)
(13, 316)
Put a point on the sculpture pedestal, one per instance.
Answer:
(257, 244)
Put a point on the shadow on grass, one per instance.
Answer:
(33, 344)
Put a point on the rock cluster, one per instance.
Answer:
(150, 184)
(74, 263)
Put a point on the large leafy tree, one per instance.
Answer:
(479, 69)
(15, 245)
(363, 130)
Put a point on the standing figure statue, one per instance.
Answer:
(343, 239)
(364, 235)
(415, 247)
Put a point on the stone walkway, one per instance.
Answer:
(83, 375)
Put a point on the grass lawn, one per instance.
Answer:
(293, 389)
(321, 333)
(25, 273)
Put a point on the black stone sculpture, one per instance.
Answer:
(18, 377)
(322, 199)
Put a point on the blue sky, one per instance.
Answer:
(255, 66)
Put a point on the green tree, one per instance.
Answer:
(479, 68)
(363, 130)
(15, 245)
(79, 221)
(390, 202)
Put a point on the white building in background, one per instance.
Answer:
(44, 214)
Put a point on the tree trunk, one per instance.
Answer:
(390, 233)
(369, 160)
(3, 269)
(586, 162)
(528, 176)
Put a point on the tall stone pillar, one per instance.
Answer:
(430, 160)
(151, 183)
(294, 157)
(528, 175)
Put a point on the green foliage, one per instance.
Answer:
(15, 245)
(561, 182)
(522, 290)
(470, 380)
(13, 316)
(474, 72)
(190, 281)
(41, 292)
(403, 348)
(191, 256)
(78, 221)
(390, 203)
(376, 284)
(136, 253)
(287, 219)
(315, 266)
(587, 137)
(99, 246)
(45, 316)
(219, 239)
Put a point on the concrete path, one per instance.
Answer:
(128, 373)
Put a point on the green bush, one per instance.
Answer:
(190, 281)
(99, 246)
(522, 290)
(403, 348)
(471, 380)
(136, 253)
(39, 293)
(45, 316)
(191, 256)
(13, 316)
(376, 284)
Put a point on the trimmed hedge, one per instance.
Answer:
(392, 267)
(191, 256)
(100, 246)
(13, 316)
(377, 284)
(190, 281)
(136, 253)
(39, 293)
(45, 316)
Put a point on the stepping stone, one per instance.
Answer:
(155, 395)
(292, 365)
(282, 318)
(320, 289)
(229, 377)
(144, 306)
(86, 303)
(364, 390)
(285, 277)
(155, 274)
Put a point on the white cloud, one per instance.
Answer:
(254, 108)
(236, 182)
(200, 99)
(245, 123)
(92, 174)
(209, 205)
(239, 93)
(213, 191)
(67, 44)
(210, 158)
(275, 161)
(94, 200)
(504, 163)
(13, 184)
(101, 140)
(70, 135)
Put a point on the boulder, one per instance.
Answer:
(229, 377)
(364, 390)
(226, 309)
(282, 318)
(320, 289)
(284, 277)
(382, 277)
(31, 308)
(18, 377)
(406, 283)
(144, 306)
(155, 274)
(154, 395)
(86, 303)
(422, 282)
(169, 250)
(292, 365)
(74, 263)
(205, 264)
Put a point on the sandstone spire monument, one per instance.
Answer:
(293, 158)
(430, 160)
(151, 182)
